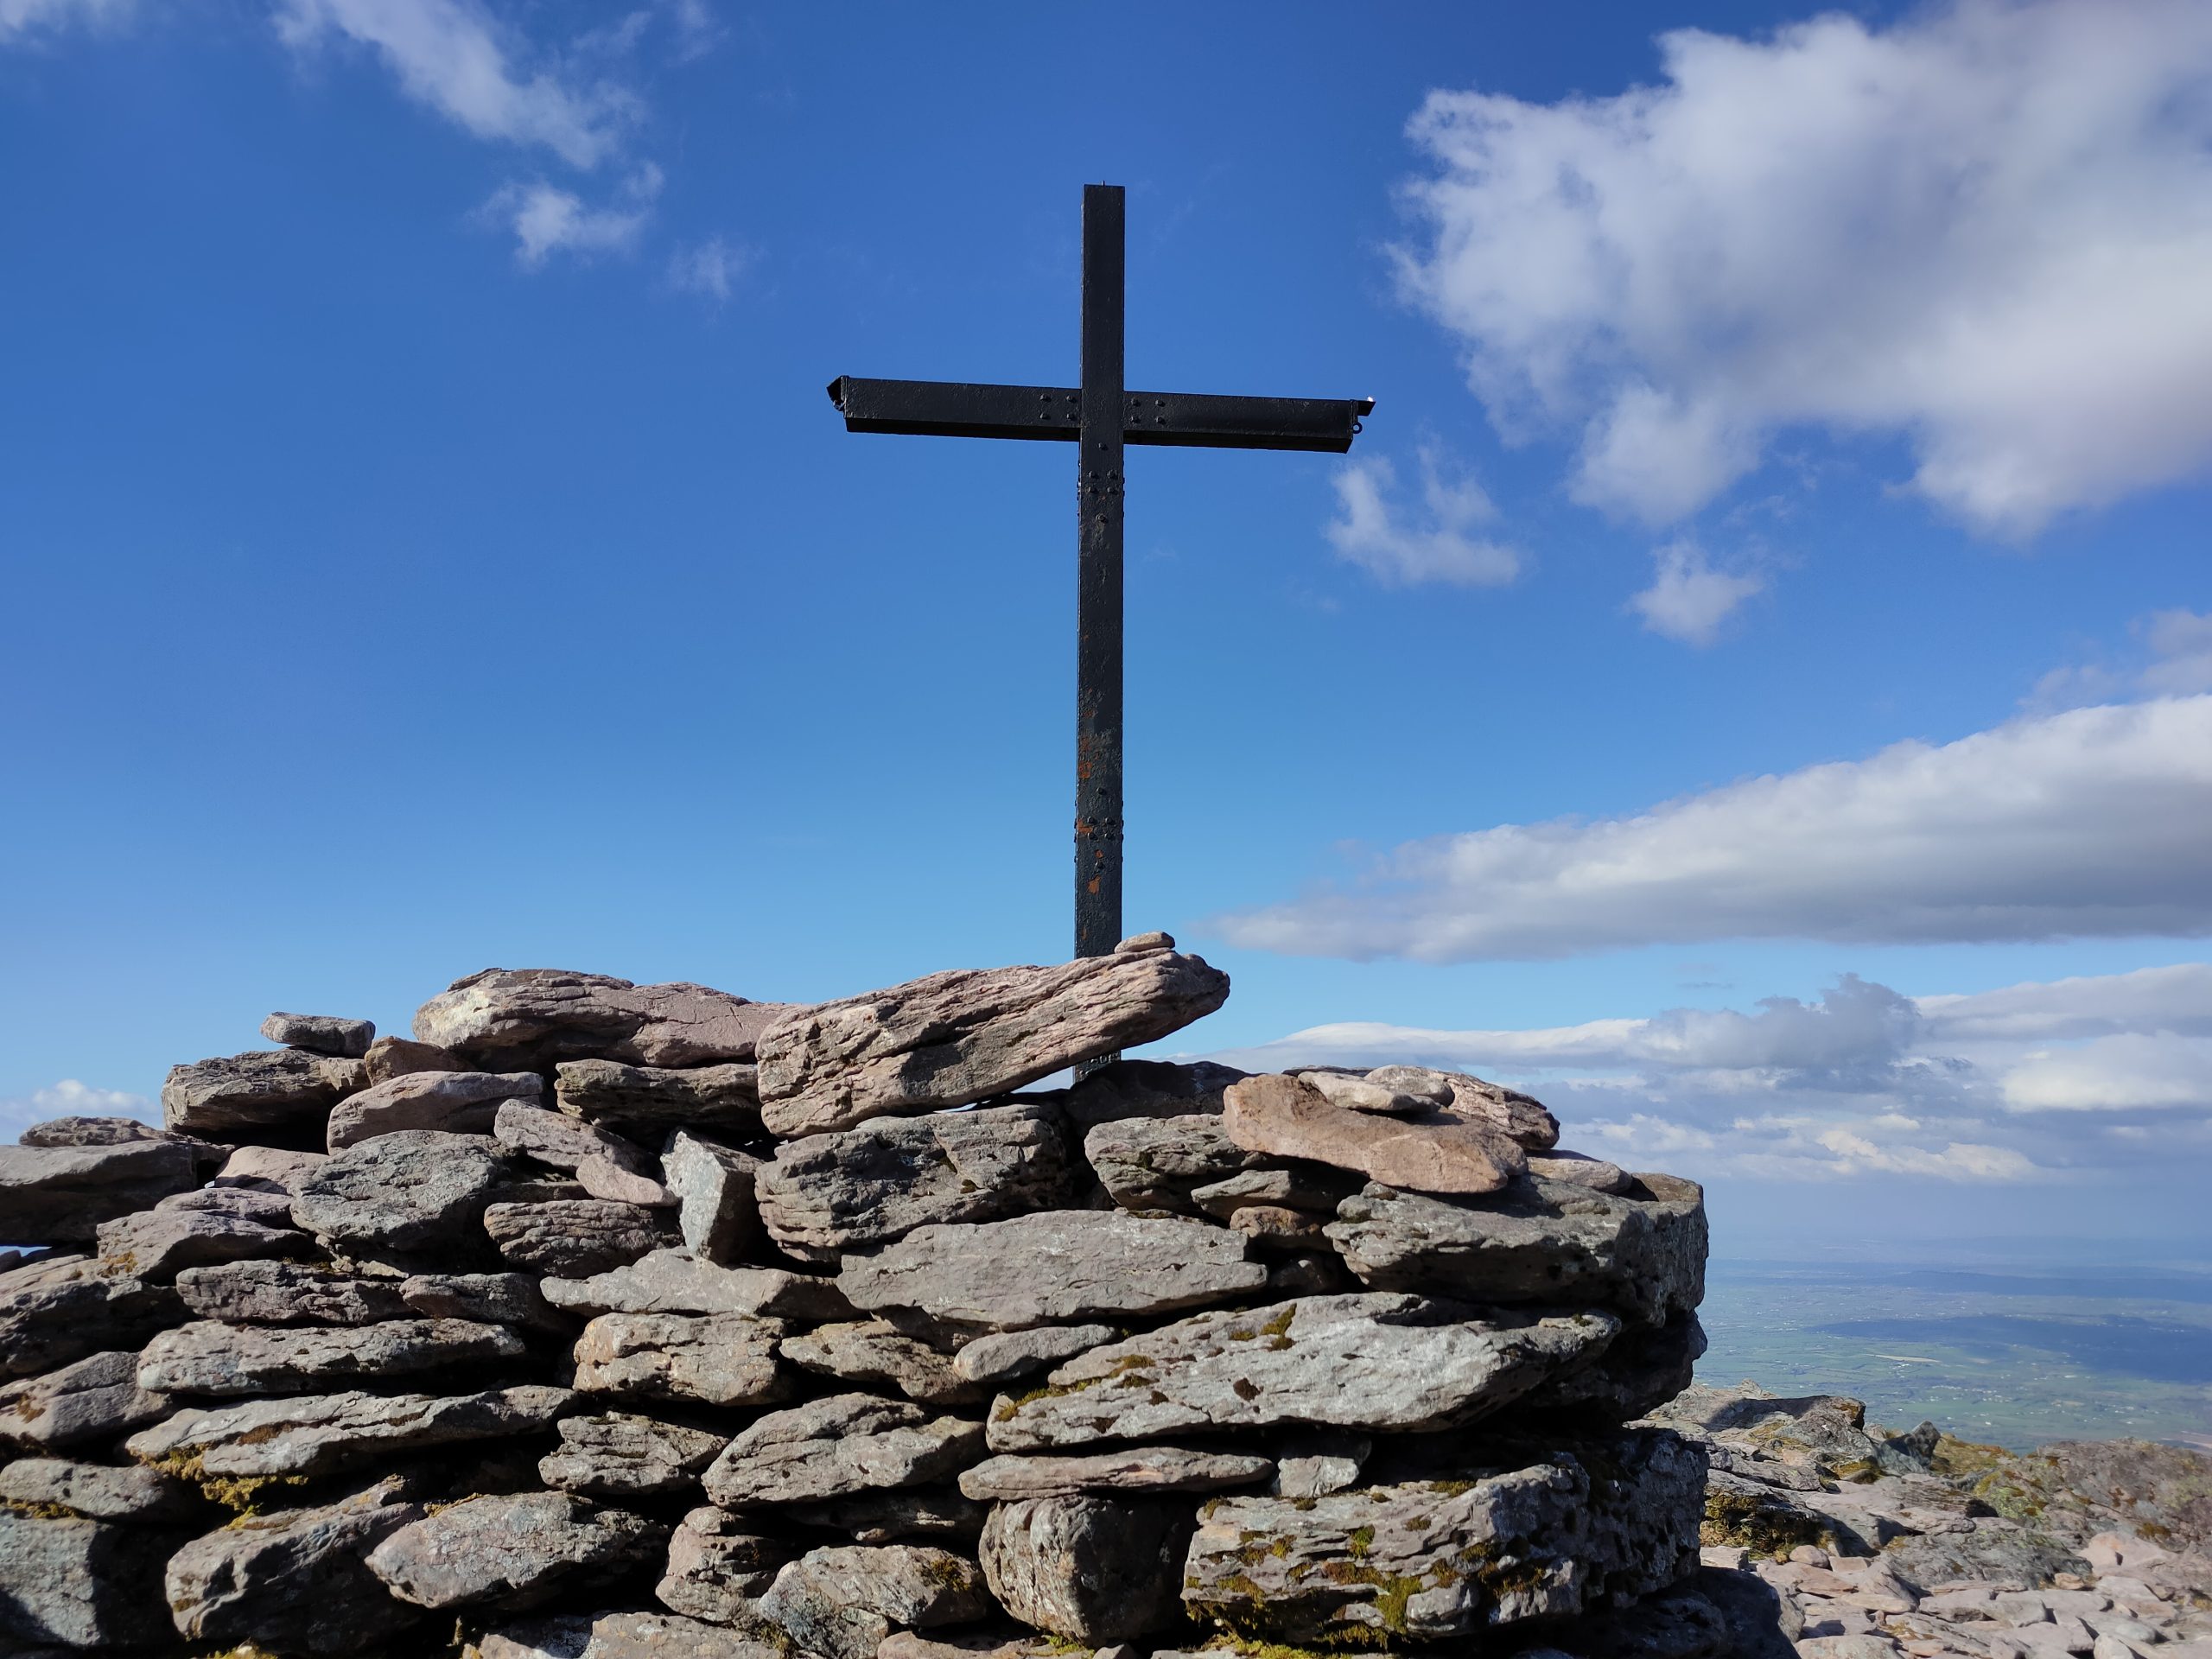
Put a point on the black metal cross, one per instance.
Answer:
(1100, 416)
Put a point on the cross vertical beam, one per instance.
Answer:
(1098, 581)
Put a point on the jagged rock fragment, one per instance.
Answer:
(315, 1434)
(1441, 1150)
(869, 1352)
(320, 1033)
(644, 1098)
(575, 1238)
(209, 1359)
(457, 1103)
(717, 1567)
(717, 1359)
(530, 1018)
(841, 1603)
(1086, 1568)
(95, 1399)
(1139, 1089)
(1147, 1163)
(713, 1186)
(397, 1057)
(669, 1281)
(287, 1293)
(280, 1089)
(410, 1193)
(511, 1550)
(1141, 1469)
(831, 1447)
(1508, 1110)
(102, 1132)
(622, 1455)
(63, 1195)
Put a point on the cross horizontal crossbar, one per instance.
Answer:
(956, 409)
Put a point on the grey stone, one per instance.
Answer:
(158, 1245)
(511, 1550)
(1510, 1112)
(209, 1359)
(279, 1088)
(94, 1401)
(575, 1238)
(397, 1057)
(1646, 1366)
(1309, 1273)
(1050, 1267)
(1642, 1253)
(315, 1434)
(1358, 1094)
(241, 1203)
(1010, 1354)
(622, 1455)
(1139, 1089)
(889, 1516)
(1158, 1163)
(726, 1096)
(530, 1018)
(1320, 1461)
(81, 1584)
(841, 1603)
(1141, 1469)
(321, 1034)
(718, 1359)
(1577, 1169)
(528, 1130)
(717, 1568)
(954, 1037)
(828, 1194)
(713, 1187)
(1586, 1527)
(132, 1497)
(269, 1169)
(669, 1281)
(1300, 1186)
(62, 1195)
(63, 1307)
(287, 1293)
(96, 1132)
(1415, 1082)
(1089, 1569)
(620, 1636)
(410, 1193)
(294, 1580)
(1441, 1150)
(457, 1103)
(834, 1447)
(1274, 1230)
(871, 1352)
(1385, 1363)
(490, 1297)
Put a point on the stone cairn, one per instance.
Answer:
(603, 1319)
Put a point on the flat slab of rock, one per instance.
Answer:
(487, 1298)
(511, 1550)
(872, 1352)
(321, 1034)
(575, 1238)
(620, 1636)
(832, 1448)
(100, 1132)
(1441, 1150)
(530, 1018)
(1384, 1362)
(410, 1192)
(79, 1584)
(669, 1281)
(1433, 1561)
(1578, 1169)
(209, 1359)
(315, 1434)
(62, 1195)
(395, 1057)
(94, 1401)
(826, 1194)
(1141, 1469)
(275, 1088)
(65, 1308)
(459, 1102)
(1514, 1114)
(1641, 1255)
(132, 1497)
(1050, 1267)
(1009, 1354)
(717, 1359)
(841, 1603)
(1088, 1568)
(1126, 1089)
(269, 1169)
(159, 1244)
(287, 1293)
(645, 1097)
(955, 1038)
(718, 1566)
(1147, 1163)
(934, 1513)
(294, 1580)
(624, 1456)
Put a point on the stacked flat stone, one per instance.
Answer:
(601, 1320)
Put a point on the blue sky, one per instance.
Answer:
(429, 545)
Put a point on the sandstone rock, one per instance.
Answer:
(530, 1018)
(79, 1584)
(269, 1169)
(831, 1447)
(713, 1187)
(457, 1103)
(575, 1238)
(1442, 1150)
(841, 1603)
(1510, 1112)
(1374, 1362)
(279, 1088)
(204, 1357)
(64, 1307)
(828, 1194)
(295, 1581)
(511, 1550)
(1358, 1094)
(1141, 1089)
(315, 1434)
(158, 1245)
(95, 1132)
(1017, 1353)
(241, 1203)
(892, 1517)
(602, 1177)
(871, 1352)
(1158, 1163)
(619, 1636)
(320, 1033)
(525, 1130)
(1055, 1265)
(642, 1098)
(1433, 1561)
(93, 1401)
(716, 1568)
(954, 1037)
(1641, 1254)
(397, 1057)
(669, 1281)
(719, 1359)
(61, 1195)
(1312, 1187)
(1274, 1230)
(1088, 1569)
(408, 1192)
(143, 1498)
(623, 1456)
(1576, 1169)
(1319, 1461)
(287, 1293)
(489, 1298)
(1141, 1468)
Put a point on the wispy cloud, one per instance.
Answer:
(546, 219)
(1688, 599)
(1438, 542)
(70, 1098)
(710, 268)
(27, 20)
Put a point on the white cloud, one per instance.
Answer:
(1368, 531)
(22, 19)
(1983, 230)
(70, 1098)
(711, 268)
(2131, 1071)
(2173, 658)
(2171, 999)
(2181, 649)
(547, 220)
(454, 57)
(2089, 822)
(1688, 599)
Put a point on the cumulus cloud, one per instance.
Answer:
(1688, 599)
(72, 1098)
(2088, 823)
(1437, 543)
(1983, 230)
(22, 20)
(547, 220)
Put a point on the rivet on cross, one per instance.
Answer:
(1100, 416)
